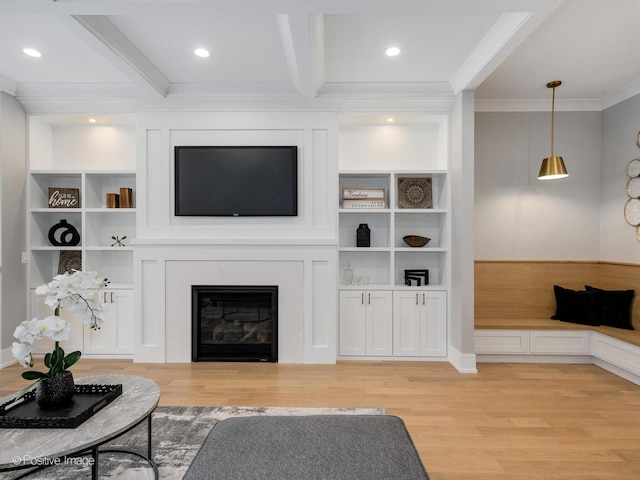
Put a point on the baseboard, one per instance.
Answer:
(6, 358)
(633, 378)
(463, 362)
(528, 358)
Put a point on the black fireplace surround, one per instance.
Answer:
(234, 323)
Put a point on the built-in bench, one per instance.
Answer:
(514, 301)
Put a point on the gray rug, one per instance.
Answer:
(314, 447)
(178, 433)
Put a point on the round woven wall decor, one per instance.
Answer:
(632, 211)
(633, 187)
(633, 169)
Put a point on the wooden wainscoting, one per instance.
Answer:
(510, 292)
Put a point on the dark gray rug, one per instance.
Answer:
(178, 433)
(316, 447)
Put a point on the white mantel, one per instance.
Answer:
(305, 276)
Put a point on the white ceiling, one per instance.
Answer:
(133, 54)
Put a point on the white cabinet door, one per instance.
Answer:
(352, 322)
(433, 324)
(406, 324)
(379, 323)
(365, 322)
(122, 317)
(115, 337)
(420, 323)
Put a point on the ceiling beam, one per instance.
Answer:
(7, 85)
(489, 53)
(508, 33)
(338, 7)
(114, 47)
(303, 44)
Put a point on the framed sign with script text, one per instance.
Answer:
(60, 197)
(360, 197)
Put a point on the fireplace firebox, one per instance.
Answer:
(234, 323)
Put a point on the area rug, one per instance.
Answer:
(178, 433)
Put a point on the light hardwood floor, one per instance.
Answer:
(510, 421)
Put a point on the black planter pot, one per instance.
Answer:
(56, 392)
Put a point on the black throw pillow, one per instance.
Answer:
(576, 306)
(614, 307)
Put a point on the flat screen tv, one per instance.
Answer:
(236, 181)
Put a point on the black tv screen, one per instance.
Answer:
(236, 181)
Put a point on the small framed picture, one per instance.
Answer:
(362, 197)
(69, 260)
(60, 197)
(360, 193)
(415, 192)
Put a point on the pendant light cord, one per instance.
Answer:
(553, 108)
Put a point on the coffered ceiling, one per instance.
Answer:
(122, 55)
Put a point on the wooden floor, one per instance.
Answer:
(510, 421)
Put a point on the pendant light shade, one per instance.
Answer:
(553, 166)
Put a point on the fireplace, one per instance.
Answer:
(234, 323)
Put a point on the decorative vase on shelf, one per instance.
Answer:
(348, 275)
(363, 235)
(56, 392)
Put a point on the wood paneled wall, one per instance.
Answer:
(524, 289)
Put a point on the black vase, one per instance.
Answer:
(56, 392)
(363, 235)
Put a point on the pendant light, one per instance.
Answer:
(553, 166)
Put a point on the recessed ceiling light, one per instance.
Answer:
(390, 120)
(392, 51)
(92, 120)
(31, 52)
(201, 52)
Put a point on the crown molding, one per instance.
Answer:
(387, 90)
(537, 105)
(230, 103)
(620, 95)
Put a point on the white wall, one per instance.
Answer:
(13, 204)
(518, 217)
(620, 125)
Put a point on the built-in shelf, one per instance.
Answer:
(384, 262)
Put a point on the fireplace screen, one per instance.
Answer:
(235, 323)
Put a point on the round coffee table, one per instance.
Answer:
(41, 447)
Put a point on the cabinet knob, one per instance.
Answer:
(369, 298)
(423, 299)
(104, 297)
(362, 298)
(111, 297)
(416, 299)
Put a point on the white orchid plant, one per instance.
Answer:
(77, 292)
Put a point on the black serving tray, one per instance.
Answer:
(87, 400)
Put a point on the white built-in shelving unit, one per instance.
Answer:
(381, 316)
(95, 159)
